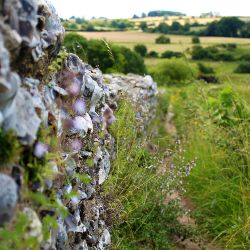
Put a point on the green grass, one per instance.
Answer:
(10, 148)
(219, 138)
(219, 186)
(134, 192)
(213, 123)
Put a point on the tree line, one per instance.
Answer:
(225, 27)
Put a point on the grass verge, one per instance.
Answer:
(214, 125)
(135, 192)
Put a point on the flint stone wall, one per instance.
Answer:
(78, 102)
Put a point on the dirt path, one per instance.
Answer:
(186, 205)
(169, 122)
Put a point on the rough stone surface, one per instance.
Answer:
(34, 226)
(8, 198)
(78, 104)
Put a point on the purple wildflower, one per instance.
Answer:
(76, 145)
(40, 149)
(80, 107)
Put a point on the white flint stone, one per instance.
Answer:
(35, 225)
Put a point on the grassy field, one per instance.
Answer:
(212, 122)
(215, 131)
(178, 43)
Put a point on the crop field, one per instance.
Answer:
(178, 43)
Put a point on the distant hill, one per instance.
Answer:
(164, 13)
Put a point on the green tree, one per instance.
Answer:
(164, 13)
(80, 20)
(227, 27)
(141, 49)
(245, 31)
(195, 40)
(152, 54)
(73, 26)
(143, 26)
(162, 40)
(90, 27)
(76, 44)
(186, 27)
(108, 57)
(99, 55)
(163, 28)
(133, 63)
(176, 26)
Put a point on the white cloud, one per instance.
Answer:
(126, 8)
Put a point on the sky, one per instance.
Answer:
(127, 8)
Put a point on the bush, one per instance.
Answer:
(204, 69)
(231, 46)
(99, 55)
(132, 62)
(162, 40)
(243, 67)
(153, 54)
(173, 72)
(108, 58)
(141, 49)
(224, 56)
(211, 53)
(245, 58)
(76, 44)
(208, 78)
(199, 53)
(169, 54)
(228, 46)
(195, 40)
(73, 26)
(90, 27)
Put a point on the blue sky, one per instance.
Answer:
(126, 8)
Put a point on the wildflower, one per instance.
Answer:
(76, 145)
(40, 149)
(80, 107)
(74, 88)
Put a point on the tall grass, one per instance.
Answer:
(215, 127)
(134, 193)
